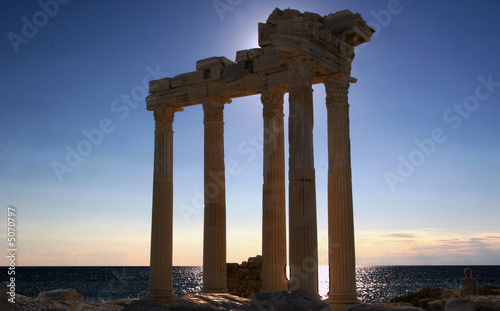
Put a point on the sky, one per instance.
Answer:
(424, 130)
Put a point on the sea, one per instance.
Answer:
(374, 283)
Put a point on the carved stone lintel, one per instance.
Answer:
(164, 117)
(272, 101)
(336, 91)
(213, 109)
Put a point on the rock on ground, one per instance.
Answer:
(60, 295)
(277, 301)
(294, 300)
(438, 299)
(474, 304)
(385, 307)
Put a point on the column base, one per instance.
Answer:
(161, 298)
(343, 301)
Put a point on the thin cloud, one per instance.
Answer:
(400, 235)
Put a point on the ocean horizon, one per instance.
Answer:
(106, 283)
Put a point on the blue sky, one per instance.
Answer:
(424, 129)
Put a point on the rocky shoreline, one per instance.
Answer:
(430, 299)
(69, 300)
(244, 282)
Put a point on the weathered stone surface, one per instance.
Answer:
(384, 307)
(435, 305)
(60, 295)
(473, 304)
(207, 63)
(254, 53)
(437, 299)
(290, 300)
(159, 85)
(212, 302)
(489, 290)
(34, 304)
(244, 279)
(235, 71)
(242, 56)
(266, 63)
(187, 79)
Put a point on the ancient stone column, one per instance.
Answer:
(273, 194)
(160, 281)
(214, 233)
(302, 189)
(341, 252)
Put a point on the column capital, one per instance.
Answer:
(272, 101)
(164, 117)
(301, 71)
(213, 109)
(336, 91)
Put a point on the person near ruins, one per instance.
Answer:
(468, 285)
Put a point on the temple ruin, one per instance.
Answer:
(296, 51)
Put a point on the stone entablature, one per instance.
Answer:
(327, 41)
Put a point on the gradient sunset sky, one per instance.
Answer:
(425, 120)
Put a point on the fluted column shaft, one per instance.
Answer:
(214, 233)
(340, 208)
(302, 189)
(273, 194)
(160, 282)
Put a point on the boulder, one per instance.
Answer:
(473, 304)
(436, 299)
(60, 295)
(211, 302)
(384, 307)
(293, 300)
(489, 290)
(435, 305)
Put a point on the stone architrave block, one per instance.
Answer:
(315, 17)
(205, 64)
(159, 85)
(234, 88)
(198, 92)
(265, 63)
(234, 71)
(216, 72)
(254, 53)
(285, 27)
(277, 78)
(187, 79)
(242, 56)
(180, 97)
(269, 50)
(255, 82)
(265, 32)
